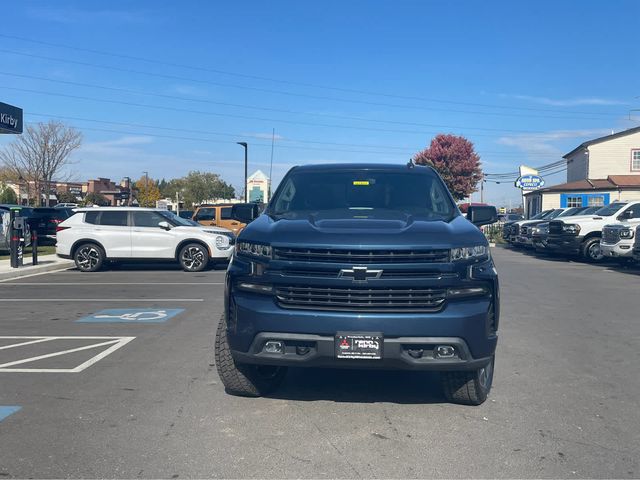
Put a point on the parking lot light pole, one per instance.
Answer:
(246, 193)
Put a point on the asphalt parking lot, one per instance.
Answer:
(131, 393)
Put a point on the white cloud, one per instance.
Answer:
(566, 102)
(545, 143)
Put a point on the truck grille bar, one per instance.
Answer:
(361, 299)
(361, 256)
(610, 235)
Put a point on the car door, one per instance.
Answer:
(226, 221)
(633, 214)
(114, 233)
(206, 216)
(149, 240)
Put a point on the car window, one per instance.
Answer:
(114, 218)
(225, 213)
(91, 217)
(635, 210)
(206, 214)
(147, 219)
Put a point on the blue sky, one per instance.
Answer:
(338, 80)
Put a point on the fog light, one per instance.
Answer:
(273, 346)
(445, 351)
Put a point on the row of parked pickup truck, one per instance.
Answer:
(594, 233)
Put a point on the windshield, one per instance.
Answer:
(610, 209)
(540, 215)
(176, 220)
(572, 211)
(590, 210)
(554, 214)
(363, 193)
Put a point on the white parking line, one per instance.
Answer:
(101, 299)
(114, 342)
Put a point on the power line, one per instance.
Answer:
(229, 115)
(253, 107)
(290, 82)
(279, 92)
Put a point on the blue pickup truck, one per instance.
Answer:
(361, 266)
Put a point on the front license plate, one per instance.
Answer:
(367, 346)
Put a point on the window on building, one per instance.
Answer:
(635, 160)
(574, 201)
(596, 201)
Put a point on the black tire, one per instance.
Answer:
(468, 388)
(89, 257)
(239, 379)
(591, 250)
(193, 257)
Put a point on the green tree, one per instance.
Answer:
(66, 197)
(7, 195)
(199, 187)
(148, 192)
(96, 199)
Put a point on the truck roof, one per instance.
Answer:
(361, 166)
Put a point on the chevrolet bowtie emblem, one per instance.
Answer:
(359, 274)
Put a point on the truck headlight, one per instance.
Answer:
(626, 233)
(571, 228)
(254, 249)
(469, 253)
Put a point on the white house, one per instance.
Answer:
(599, 172)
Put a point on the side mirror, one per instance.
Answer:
(482, 215)
(164, 225)
(245, 212)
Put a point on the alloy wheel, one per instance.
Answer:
(192, 258)
(87, 258)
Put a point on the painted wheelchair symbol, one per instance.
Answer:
(153, 315)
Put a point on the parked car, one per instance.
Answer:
(636, 245)
(218, 215)
(185, 214)
(509, 217)
(45, 220)
(517, 236)
(618, 238)
(361, 266)
(512, 229)
(540, 232)
(581, 235)
(94, 236)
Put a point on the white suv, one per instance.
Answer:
(94, 236)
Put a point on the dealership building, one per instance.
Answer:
(599, 171)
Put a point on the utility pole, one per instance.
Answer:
(273, 140)
(246, 192)
(482, 190)
(146, 185)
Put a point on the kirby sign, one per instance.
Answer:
(530, 182)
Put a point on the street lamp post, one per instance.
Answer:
(246, 193)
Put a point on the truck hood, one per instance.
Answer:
(386, 229)
(584, 218)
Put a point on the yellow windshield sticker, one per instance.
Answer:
(361, 182)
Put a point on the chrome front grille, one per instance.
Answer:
(361, 299)
(361, 256)
(610, 235)
(386, 273)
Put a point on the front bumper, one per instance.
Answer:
(570, 244)
(618, 250)
(402, 353)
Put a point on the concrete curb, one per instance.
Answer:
(47, 266)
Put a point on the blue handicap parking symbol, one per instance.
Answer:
(132, 315)
(5, 411)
